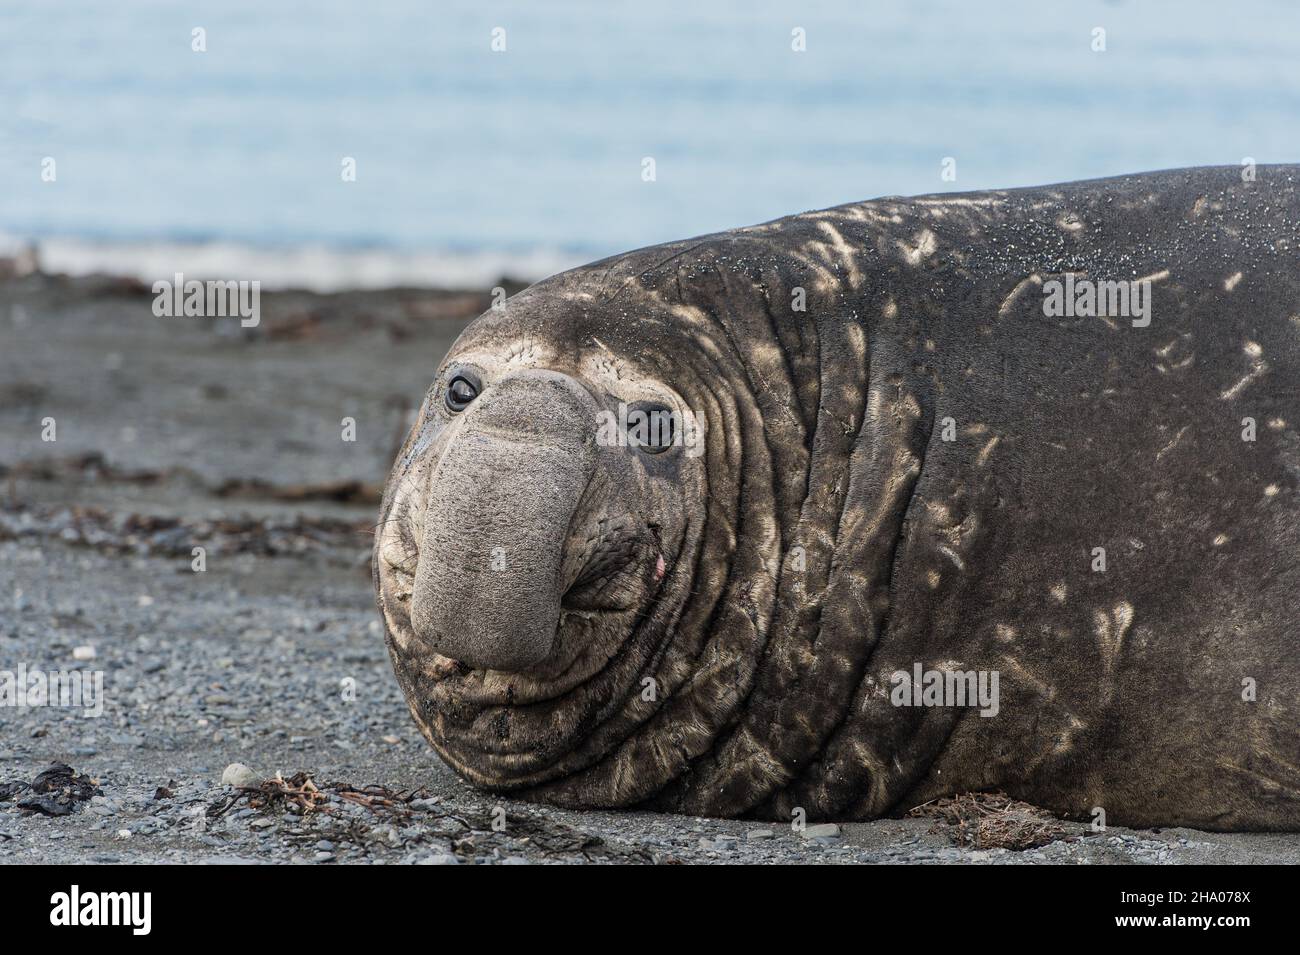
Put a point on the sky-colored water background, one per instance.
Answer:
(471, 162)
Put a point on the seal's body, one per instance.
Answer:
(962, 492)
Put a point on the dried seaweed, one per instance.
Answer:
(993, 820)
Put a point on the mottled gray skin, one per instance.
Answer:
(829, 536)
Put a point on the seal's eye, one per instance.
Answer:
(651, 427)
(461, 392)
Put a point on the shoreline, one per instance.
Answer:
(319, 268)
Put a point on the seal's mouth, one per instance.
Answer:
(620, 563)
(614, 573)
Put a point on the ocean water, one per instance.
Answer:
(472, 162)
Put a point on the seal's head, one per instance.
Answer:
(604, 545)
(530, 552)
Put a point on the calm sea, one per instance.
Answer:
(472, 162)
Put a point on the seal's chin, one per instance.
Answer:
(603, 594)
(614, 568)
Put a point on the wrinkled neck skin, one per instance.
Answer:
(587, 624)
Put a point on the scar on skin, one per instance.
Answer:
(836, 251)
(1014, 294)
(1004, 632)
(1257, 367)
(1155, 276)
(932, 578)
(1069, 222)
(1111, 630)
(1175, 366)
(1220, 540)
(1172, 444)
(1271, 490)
(1276, 424)
(1048, 693)
(923, 246)
(987, 450)
(890, 310)
(1059, 592)
(1166, 350)
(1231, 281)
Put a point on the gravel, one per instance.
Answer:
(234, 675)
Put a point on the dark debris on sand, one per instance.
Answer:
(57, 791)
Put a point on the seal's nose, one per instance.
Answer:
(488, 583)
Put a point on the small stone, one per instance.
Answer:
(824, 830)
(261, 823)
(239, 776)
(439, 858)
(391, 740)
(83, 653)
(760, 834)
(323, 857)
(325, 846)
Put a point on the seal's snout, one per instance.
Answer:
(490, 576)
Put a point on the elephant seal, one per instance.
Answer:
(957, 492)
